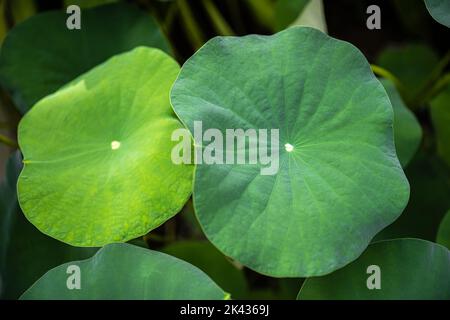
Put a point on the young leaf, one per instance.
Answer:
(443, 236)
(97, 153)
(407, 130)
(339, 181)
(25, 253)
(440, 11)
(403, 269)
(204, 256)
(126, 272)
(40, 55)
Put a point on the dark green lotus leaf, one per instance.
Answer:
(412, 64)
(440, 115)
(207, 258)
(440, 11)
(40, 55)
(97, 153)
(126, 272)
(25, 253)
(339, 180)
(407, 130)
(443, 236)
(409, 269)
(430, 188)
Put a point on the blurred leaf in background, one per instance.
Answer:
(413, 17)
(312, 16)
(443, 236)
(33, 66)
(411, 64)
(287, 11)
(17, 11)
(408, 269)
(407, 130)
(308, 13)
(440, 114)
(84, 4)
(3, 26)
(429, 201)
(206, 257)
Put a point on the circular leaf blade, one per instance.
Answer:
(336, 188)
(126, 272)
(104, 173)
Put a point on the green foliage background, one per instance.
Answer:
(39, 57)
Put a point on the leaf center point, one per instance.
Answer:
(115, 145)
(289, 147)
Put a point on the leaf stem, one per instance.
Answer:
(8, 14)
(9, 142)
(438, 87)
(427, 90)
(220, 24)
(264, 12)
(170, 17)
(381, 72)
(192, 28)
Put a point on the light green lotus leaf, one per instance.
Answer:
(207, 258)
(339, 181)
(440, 11)
(408, 269)
(443, 236)
(126, 272)
(440, 115)
(97, 153)
(407, 130)
(25, 253)
(41, 54)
